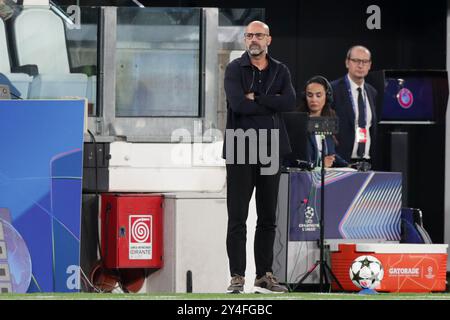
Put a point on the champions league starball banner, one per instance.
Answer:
(40, 195)
(358, 205)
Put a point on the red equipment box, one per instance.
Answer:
(131, 230)
(407, 267)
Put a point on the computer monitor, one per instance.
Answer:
(408, 99)
(297, 130)
(412, 96)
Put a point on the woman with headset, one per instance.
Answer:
(317, 99)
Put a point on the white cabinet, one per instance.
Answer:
(195, 227)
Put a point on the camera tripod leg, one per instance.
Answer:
(325, 277)
(308, 273)
(333, 276)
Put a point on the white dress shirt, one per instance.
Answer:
(354, 89)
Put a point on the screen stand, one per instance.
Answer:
(399, 160)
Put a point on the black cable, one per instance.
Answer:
(95, 161)
(108, 208)
(311, 195)
(97, 200)
(278, 237)
(97, 197)
(16, 96)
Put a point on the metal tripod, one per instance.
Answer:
(323, 279)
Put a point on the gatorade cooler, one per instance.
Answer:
(407, 267)
(131, 230)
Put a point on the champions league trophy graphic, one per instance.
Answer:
(5, 277)
(15, 260)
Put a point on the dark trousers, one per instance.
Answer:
(241, 180)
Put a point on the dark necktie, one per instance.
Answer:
(361, 121)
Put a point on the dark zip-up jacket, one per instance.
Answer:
(264, 111)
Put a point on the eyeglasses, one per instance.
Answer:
(259, 35)
(358, 61)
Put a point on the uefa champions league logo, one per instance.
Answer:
(309, 214)
(308, 223)
(405, 98)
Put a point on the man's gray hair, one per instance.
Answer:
(349, 52)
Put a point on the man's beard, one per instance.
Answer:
(255, 50)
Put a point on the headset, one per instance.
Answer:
(326, 84)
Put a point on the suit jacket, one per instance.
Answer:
(342, 104)
(313, 153)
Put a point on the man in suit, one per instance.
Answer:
(354, 102)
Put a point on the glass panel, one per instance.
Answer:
(232, 23)
(158, 70)
(54, 51)
(82, 48)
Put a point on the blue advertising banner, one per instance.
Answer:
(358, 205)
(40, 194)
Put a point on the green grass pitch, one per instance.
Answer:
(221, 296)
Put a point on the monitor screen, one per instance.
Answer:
(297, 130)
(408, 99)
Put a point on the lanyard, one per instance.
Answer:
(349, 89)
